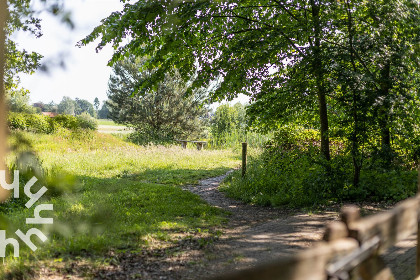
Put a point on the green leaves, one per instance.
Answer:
(158, 115)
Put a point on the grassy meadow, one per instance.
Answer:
(123, 198)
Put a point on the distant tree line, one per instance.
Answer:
(18, 101)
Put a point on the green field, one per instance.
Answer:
(108, 122)
(125, 198)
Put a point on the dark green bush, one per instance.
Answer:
(291, 172)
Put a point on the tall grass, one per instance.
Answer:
(126, 198)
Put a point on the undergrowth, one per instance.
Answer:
(289, 171)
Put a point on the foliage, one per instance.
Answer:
(67, 106)
(76, 107)
(290, 172)
(158, 116)
(44, 124)
(227, 119)
(23, 17)
(18, 101)
(65, 121)
(38, 123)
(87, 121)
(96, 103)
(84, 106)
(348, 68)
(20, 60)
(46, 107)
(103, 113)
(16, 121)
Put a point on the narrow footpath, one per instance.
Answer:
(256, 235)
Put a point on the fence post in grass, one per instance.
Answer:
(244, 148)
(418, 229)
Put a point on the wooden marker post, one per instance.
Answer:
(244, 148)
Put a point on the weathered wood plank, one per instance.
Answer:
(335, 231)
(374, 268)
(391, 226)
(307, 265)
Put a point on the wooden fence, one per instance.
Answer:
(350, 248)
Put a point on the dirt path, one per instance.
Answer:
(257, 234)
(260, 234)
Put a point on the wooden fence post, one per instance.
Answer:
(244, 151)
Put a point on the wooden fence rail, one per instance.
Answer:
(350, 250)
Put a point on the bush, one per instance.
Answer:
(291, 172)
(16, 121)
(65, 121)
(38, 123)
(44, 124)
(87, 121)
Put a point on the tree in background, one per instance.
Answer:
(163, 114)
(18, 101)
(67, 106)
(228, 122)
(96, 103)
(228, 119)
(82, 106)
(103, 113)
(51, 107)
(75, 107)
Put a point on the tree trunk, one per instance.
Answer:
(319, 80)
(383, 117)
(3, 113)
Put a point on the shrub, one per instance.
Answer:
(44, 124)
(87, 121)
(65, 121)
(16, 121)
(38, 123)
(291, 172)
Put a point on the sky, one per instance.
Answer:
(85, 74)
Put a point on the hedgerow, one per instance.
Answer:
(45, 124)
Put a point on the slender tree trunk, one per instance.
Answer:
(354, 138)
(3, 113)
(383, 118)
(319, 80)
(357, 166)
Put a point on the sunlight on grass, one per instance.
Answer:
(125, 196)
